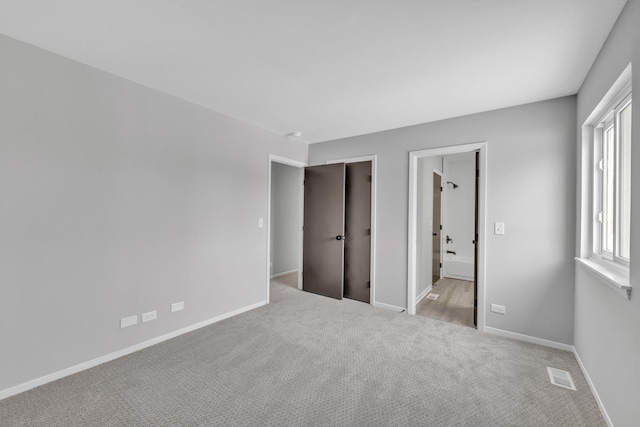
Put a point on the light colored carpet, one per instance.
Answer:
(307, 360)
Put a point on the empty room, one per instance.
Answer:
(296, 213)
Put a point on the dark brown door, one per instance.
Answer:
(323, 249)
(475, 245)
(437, 227)
(357, 245)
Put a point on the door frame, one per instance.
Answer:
(301, 165)
(413, 216)
(373, 159)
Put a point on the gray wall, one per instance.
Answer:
(286, 226)
(424, 250)
(530, 187)
(115, 200)
(607, 337)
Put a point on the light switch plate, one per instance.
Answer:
(177, 306)
(498, 228)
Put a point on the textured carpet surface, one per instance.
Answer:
(307, 360)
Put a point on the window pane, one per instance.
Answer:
(608, 145)
(625, 181)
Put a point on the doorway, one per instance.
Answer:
(339, 229)
(284, 222)
(469, 236)
(448, 292)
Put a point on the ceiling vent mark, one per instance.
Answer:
(560, 378)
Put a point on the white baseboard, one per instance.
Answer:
(603, 411)
(116, 354)
(527, 338)
(389, 307)
(273, 276)
(458, 277)
(423, 294)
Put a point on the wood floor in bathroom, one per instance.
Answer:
(454, 303)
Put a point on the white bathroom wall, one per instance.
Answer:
(458, 205)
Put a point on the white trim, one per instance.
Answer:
(482, 147)
(423, 294)
(389, 307)
(527, 338)
(352, 159)
(284, 273)
(618, 91)
(616, 280)
(297, 164)
(374, 173)
(457, 277)
(585, 198)
(286, 161)
(116, 354)
(603, 410)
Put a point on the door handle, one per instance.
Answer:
(435, 234)
(339, 237)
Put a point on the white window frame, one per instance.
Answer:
(610, 120)
(608, 269)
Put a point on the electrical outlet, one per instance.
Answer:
(500, 309)
(177, 306)
(498, 228)
(128, 321)
(147, 317)
(260, 222)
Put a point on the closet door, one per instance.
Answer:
(357, 246)
(323, 242)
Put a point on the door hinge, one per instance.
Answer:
(440, 188)
(368, 232)
(440, 226)
(369, 285)
(369, 178)
(440, 265)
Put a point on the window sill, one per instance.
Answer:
(615, 279)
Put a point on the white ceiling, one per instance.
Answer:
(329, 68)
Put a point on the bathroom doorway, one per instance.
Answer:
(449, 289)
(450, 220)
